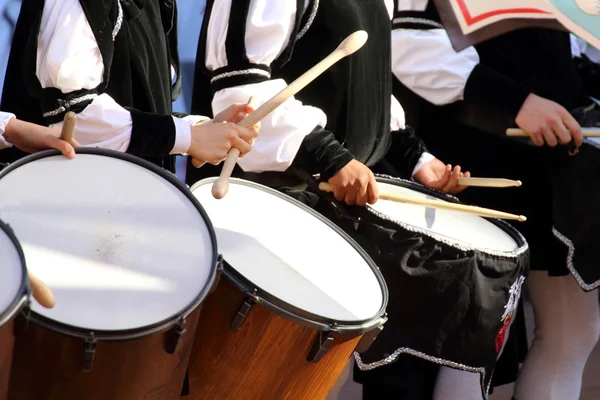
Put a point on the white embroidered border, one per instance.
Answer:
(405, 350)
(251, 71)
(311, 19)
(71, 102)
(411, 20)
(567, 242)
(119, 21)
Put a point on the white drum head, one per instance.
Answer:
(290, 253)
(455, 227)
(121, 247)
(11, 273)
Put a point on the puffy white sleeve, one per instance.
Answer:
(4, 119)
(69, 59)
(268, 30)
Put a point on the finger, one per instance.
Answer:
(243, 146)
(574, 128)
(443, 181)
(455, 175)
(64, 147)
(561, 132)
(549, 137)
(373, 190)
(350, 197)
(537, 138)
(339, 193)
(460, 188)
(362, 194)
(246, 134)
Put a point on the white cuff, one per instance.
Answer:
(194, 119)
(183, 136)
(4, 119)
(424, 159)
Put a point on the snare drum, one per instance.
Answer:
(454, 278)
(129, 254)
(14, 295)
(297, 297)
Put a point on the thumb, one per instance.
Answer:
(64, 147)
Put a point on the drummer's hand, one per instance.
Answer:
(211, 141)
(437, 175)
(355, 184)
(31, 138)
(547, 122)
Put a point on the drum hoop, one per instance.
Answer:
(22, 300)
(280, 307)
(127, 334)
(522, 244)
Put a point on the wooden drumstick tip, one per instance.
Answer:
(522, 218)
(220, 188)
(41, 292)
(519, 184)
(353, 42)
(68, 128)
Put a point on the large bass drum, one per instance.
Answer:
(14, 296)
(129, 254)
(455, 279)
(296, 298)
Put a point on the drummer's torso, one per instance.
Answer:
(355, 92)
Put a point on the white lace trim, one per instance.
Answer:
(412, 20)
(567, 242)
(69, 104)
(251, 71)
(311, 19)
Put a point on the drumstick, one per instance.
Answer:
(68, 127)
(41, 292)
(442, 205)
(221, 185)
(489, 182)
(350, 45)
(587, 132)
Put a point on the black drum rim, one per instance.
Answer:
(289, 311)
(22, 299)
(166, 323)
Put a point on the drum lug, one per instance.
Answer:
(174, 335)
(89, 353)
(368, 338)
(320, 346)
(218, 274)
(242, 313)
(22, 321)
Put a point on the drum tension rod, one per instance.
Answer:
(322, 343)
(89, 352)
(242, 313)
(174, 335)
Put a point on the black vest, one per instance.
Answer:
(354, 94)
(137, 65)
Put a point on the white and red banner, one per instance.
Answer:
(472, 21)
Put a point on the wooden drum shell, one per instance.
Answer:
(48, 365)
(7, 341)
(265, 359)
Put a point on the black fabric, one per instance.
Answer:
(454, 299)
(137, 67)
(404, 154)
(145, 145)
(354, 93)
(576, 194)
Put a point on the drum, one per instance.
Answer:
(296, 298)
(455, 279)
(129, 254)
(14, 296)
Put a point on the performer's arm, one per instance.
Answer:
(240, 67)
(30, 137)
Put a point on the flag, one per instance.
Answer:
(469, 22)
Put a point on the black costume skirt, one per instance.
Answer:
(450, 302)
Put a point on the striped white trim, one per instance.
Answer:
(251, 71)
(119, 21)
(311, 19)
(423, 21)
(68, 104)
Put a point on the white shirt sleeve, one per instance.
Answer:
(268, 29)
(69, 59)
(4, 119)
(425, 61)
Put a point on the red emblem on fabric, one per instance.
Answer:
(501, 336)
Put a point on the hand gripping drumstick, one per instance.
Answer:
(587, 132)
(442, 205)
(68, 127)
(489, 182)
(350, 45)
(41, 292)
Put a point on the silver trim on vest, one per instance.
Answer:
(567, 242)
(422, 21)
